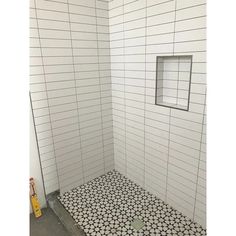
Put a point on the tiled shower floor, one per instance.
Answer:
(108, 204)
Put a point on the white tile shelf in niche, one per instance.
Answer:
(173, 80)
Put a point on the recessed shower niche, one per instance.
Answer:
(173, 81)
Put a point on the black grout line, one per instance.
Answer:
(65, 30)
(167, 131)
(144, 138)
(72, 22)
(164, 168)
(167, 12)
(127, 30)
(76, 4)
(56, 143)
(84, 71)
(160, 4)
(69, 80)
(125, 151)
(177, 96)
(151, 35)
(71, 13)
(146, 7)
(104, 165)
(122, 5)
(153, 44)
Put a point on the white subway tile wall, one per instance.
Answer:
(160, 148)
(93, 78)
(71, 90)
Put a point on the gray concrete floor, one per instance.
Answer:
(47, 225)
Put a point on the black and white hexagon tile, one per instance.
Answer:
(112, 205)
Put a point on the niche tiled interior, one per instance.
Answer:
(173, 81)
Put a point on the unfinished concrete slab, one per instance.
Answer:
(65, 218)
(47, 225)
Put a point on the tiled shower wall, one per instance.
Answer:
(71, 90)
(162, 149)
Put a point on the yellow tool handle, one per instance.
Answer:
(36, 206)
(34, 199)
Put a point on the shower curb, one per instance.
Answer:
(64, 216)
